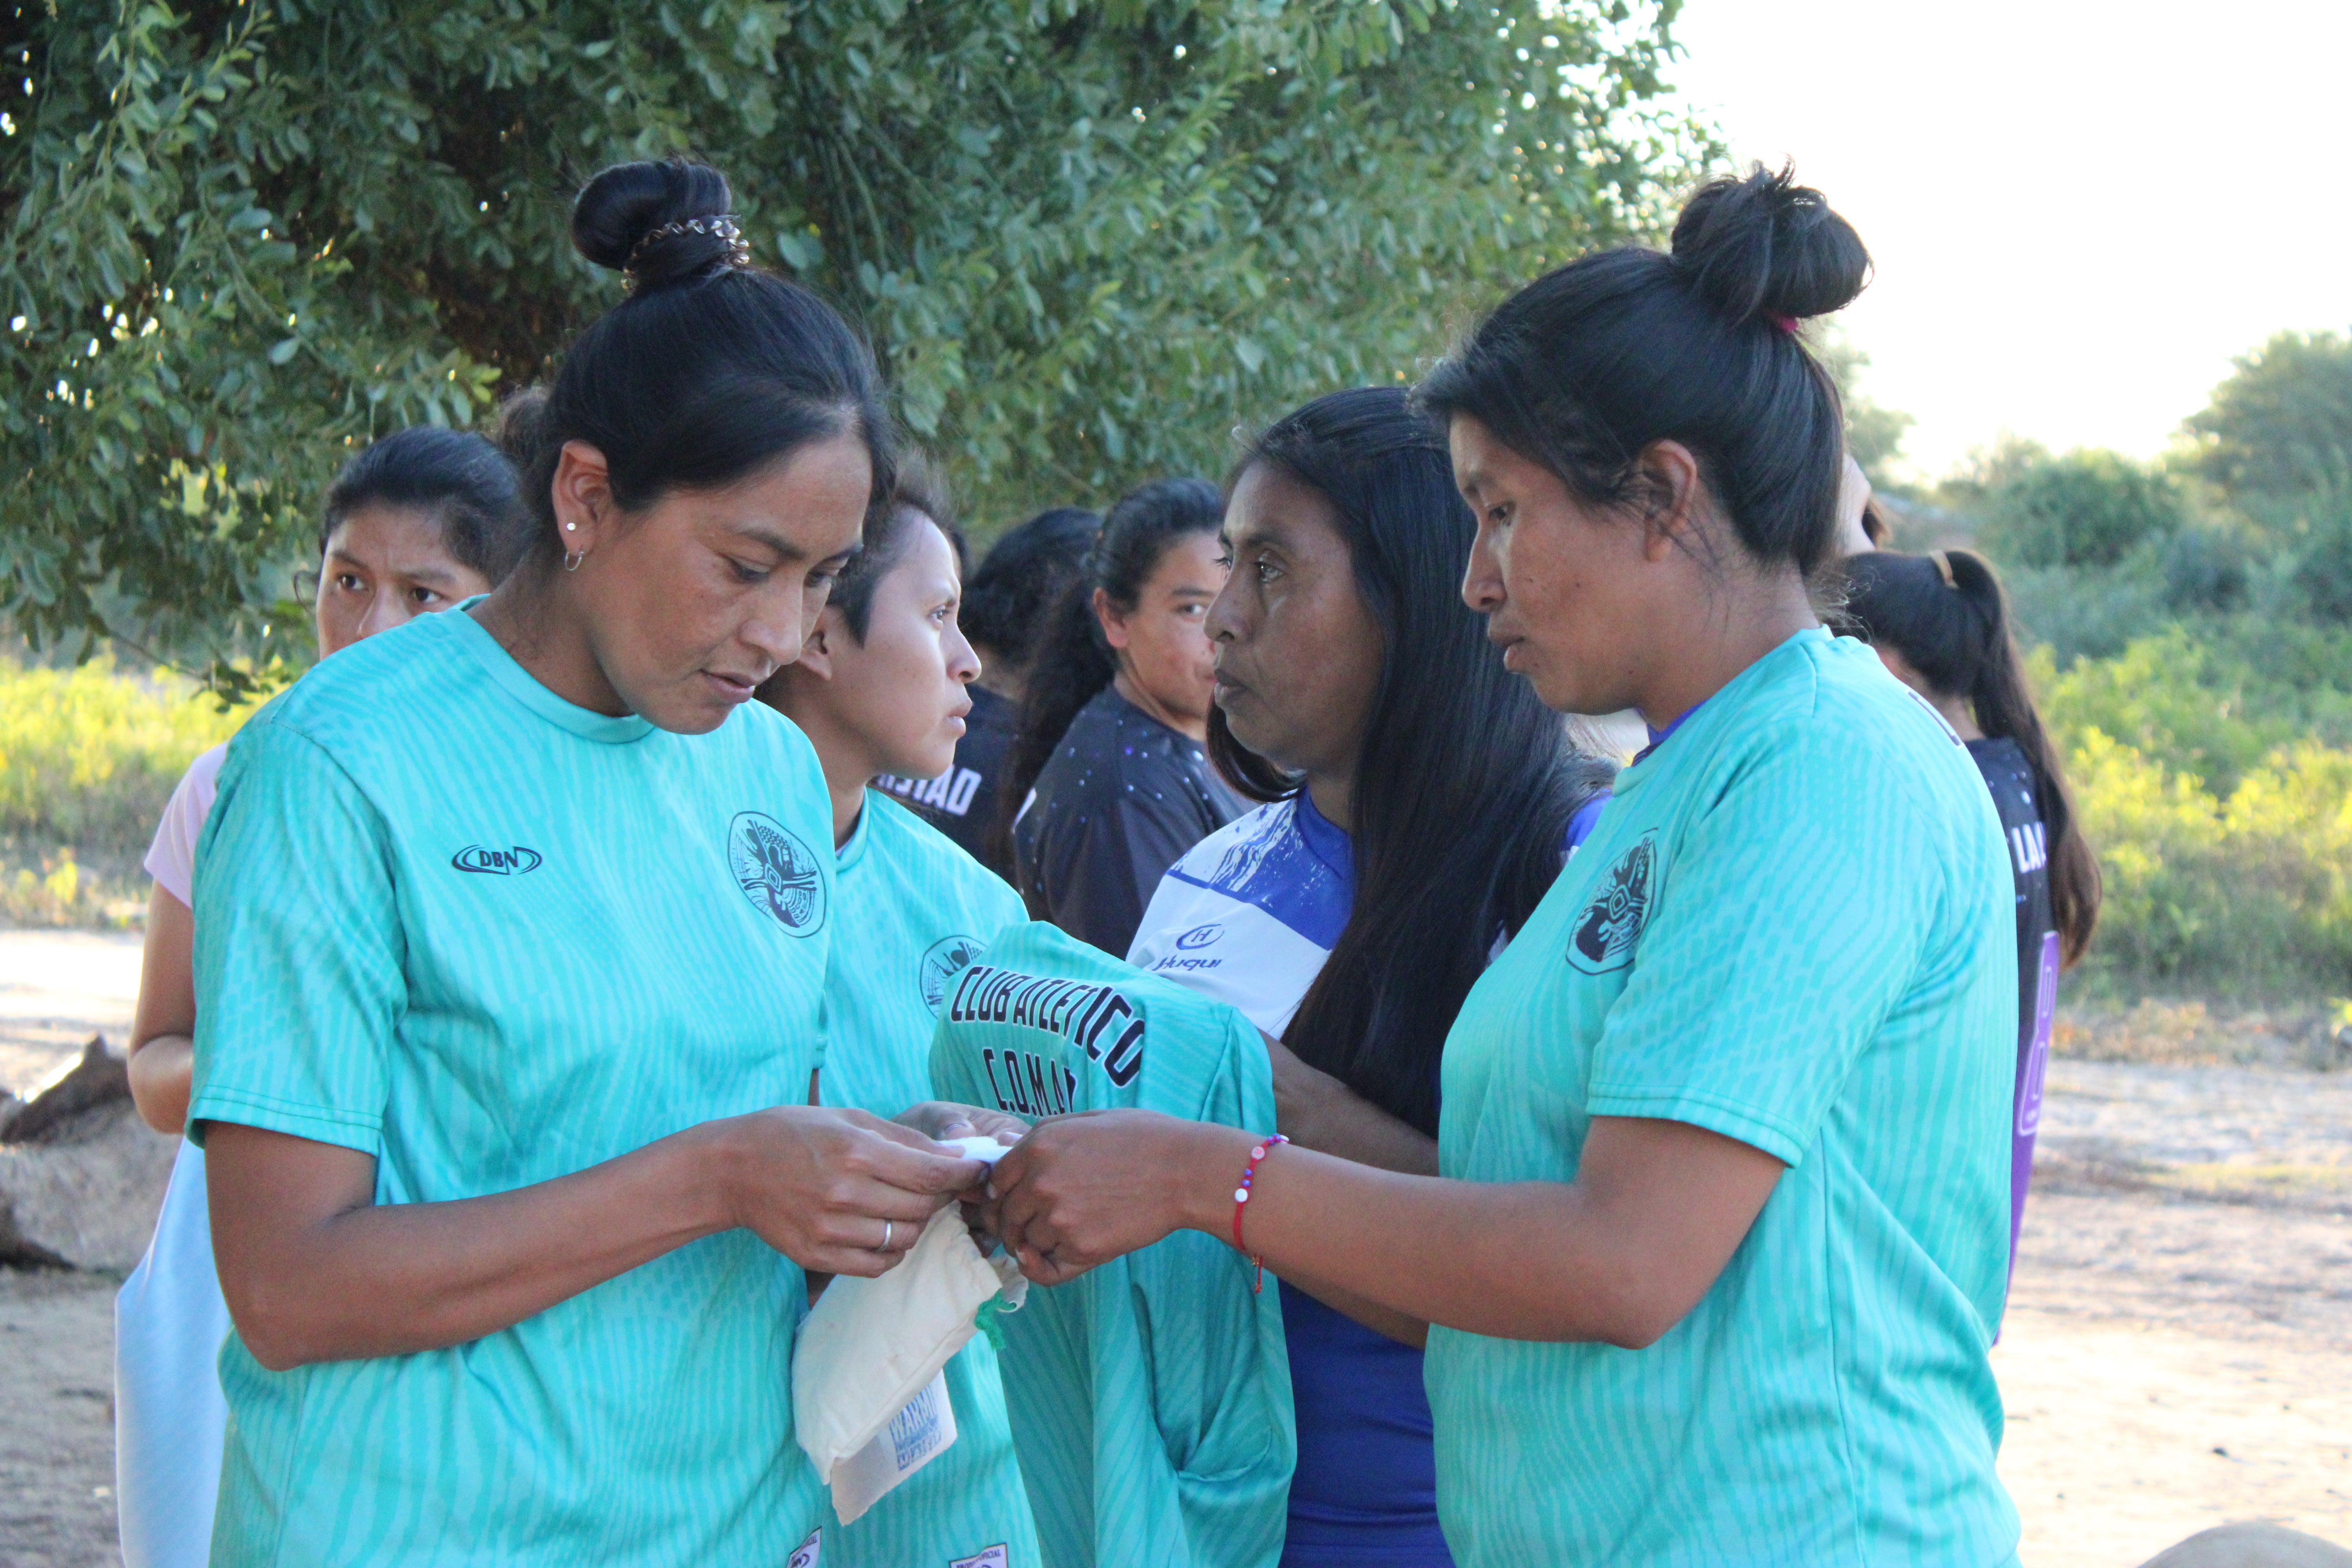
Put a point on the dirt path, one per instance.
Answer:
(57, 1421)
(2178, 1353)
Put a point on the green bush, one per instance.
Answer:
(2224, 829)
(2081, 508)
(2247, 894)
(88, 757)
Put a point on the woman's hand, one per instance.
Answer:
(1081, 1190)
(941, 1120)
(837, 1192)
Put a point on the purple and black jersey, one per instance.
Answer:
(2010, 779)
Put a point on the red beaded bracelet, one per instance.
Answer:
(1241, 1201)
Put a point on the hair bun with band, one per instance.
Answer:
(659, 223)
(1764, 248)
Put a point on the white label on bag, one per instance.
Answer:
(994, 1557)
(918, 1433)
(809, 1554)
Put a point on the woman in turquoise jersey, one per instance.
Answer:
(1717, 1246)
(880, 688)
(505, 1021)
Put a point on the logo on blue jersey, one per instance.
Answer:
(1611, 923)
(776, 872)
(486, 861)
(941, 962)
(1200, 937)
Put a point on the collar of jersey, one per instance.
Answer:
(1691, 730)
(852, 849)
(524, 688)
(1326, 842)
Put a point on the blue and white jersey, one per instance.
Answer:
(1250, 914)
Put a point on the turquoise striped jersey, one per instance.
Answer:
(1792, 926)
(913, 911)
(1150, 1397)
(452, 921)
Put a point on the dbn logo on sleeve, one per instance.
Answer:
(485, 860)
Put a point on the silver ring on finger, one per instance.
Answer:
(886, 1236)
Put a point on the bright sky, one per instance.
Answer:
(2080, 209)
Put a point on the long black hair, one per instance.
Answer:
(1072, 661)
(1955, 632)
(1022, 576)
(1586, 367)
(467, 485)
(710, 369)
(1465, 783)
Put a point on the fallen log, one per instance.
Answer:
(81, 1177)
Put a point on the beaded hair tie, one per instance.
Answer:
(720, 227)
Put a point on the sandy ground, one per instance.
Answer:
(2178, 1353)
(58, 988)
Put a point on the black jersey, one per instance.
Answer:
(1120, 802)
(961, 802)
(2010, 779)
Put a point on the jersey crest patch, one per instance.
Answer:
(941, 962)
(776, 872)
(1611, 923)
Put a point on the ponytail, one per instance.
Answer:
(1069, 664)
(1947, 616)
(1072, 661)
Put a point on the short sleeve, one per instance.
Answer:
(172, 858)
(1790, 922)
(298, 949)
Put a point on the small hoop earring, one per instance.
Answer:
(573, 558)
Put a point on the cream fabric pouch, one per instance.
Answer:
(869, 1393)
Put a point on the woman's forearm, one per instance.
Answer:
(162, 1070)
(1618, 1259)
(371, 1280)
(1619, 1255)
(1421, 1247)
(162, 1053)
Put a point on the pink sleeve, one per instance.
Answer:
(172, 858)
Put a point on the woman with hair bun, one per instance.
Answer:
(1716, 1250)
(506, 1024)
(1940, 623)
(418, 522)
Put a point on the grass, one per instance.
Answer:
(88, 759)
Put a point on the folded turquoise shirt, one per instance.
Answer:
(1150, 1397)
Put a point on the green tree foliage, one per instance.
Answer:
(2276, 443)
(2280, 428)
(1088, 240)
(1874, 432)
(2084, 508)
